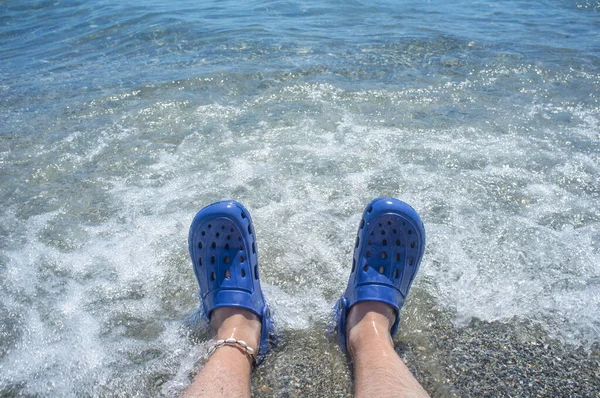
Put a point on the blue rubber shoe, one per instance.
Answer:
(388, 250)
(223, 250)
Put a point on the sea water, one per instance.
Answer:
(119, 120)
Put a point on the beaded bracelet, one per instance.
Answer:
(239, 344)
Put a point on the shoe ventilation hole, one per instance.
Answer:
(209, 226)
(231, 230)
(357, 242)
(368, 253)
(200, 261)
(243, 273)
(212, 260)
(228, 237)
(218, 234)
(366, 267)
(362, 223)
(412, 244)
(227, 274)
(214, 245)
(370, 209)
(384, 242)
(410, 231)
(403, 223)
(243, 215)
(226, 246)
(372, 233)
(241, 247)
(256, 271)
(239, 238)
(226, 260)
(213, 276)
(203, 233)
(397, 242)
(249, 230)
(381, 269)
(397, 256)
(380, 225)
(394, 231)
(253, 248)
(241, 259)
(382, 232)
(222, 226)
(389, 223)
(410, 261)
(370, 242)
(383, 255)
(199, 245)
(396, 273)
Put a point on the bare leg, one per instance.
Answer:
(227, 372)
(378, 370)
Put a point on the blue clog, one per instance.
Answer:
(389, 247)
(222, 246)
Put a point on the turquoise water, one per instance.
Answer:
(119, 121)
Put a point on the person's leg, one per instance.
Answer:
(378, 370)
(227, 372)
(225, 260)
(389, 246)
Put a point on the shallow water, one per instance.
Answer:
(120, 121)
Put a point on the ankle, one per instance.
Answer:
(368, 325)
(237, 323)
